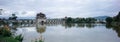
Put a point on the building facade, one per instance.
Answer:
(40, 18)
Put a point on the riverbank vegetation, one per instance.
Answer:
(7, 36)
(80, 20)
(114, 23)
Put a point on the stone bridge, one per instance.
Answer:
(48, 21)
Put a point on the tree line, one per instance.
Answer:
(80, 20)
(114, 23)
(113, 19)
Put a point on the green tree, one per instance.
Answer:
(90, 20)
(14, 17)
(117, 18)
(69, 20)
(109, 19)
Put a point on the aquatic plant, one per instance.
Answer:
(19, 38)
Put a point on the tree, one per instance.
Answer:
(1, 10)
(80, 20)
(90, 20)
(14, 17)
(109, 19)
(69, 20)
(117, 18)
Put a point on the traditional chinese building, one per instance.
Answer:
(41, 18)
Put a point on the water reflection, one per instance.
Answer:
(81, 25)
(14, 28)
(68, 25)
(115, 28)
(67, 32)
(41, 28)
(88, 25)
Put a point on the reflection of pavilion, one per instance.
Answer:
(41, 29)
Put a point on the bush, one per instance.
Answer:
(4, 32)
(109, 19)
(6, 36)
(8, 39)
(19, 37)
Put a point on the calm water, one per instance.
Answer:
(67, 33)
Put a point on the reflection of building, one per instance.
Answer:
(41, 28)
(41, 18)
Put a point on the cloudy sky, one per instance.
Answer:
(60, 8)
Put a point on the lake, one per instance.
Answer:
(67, 33)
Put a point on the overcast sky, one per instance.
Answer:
(60, 8)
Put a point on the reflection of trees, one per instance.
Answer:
(81, 25)
(116, 28)
(108, 26)
(89, 25)
(69, 25)
(114, 23)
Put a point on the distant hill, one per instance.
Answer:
(4, 17)
(26, 18)
(101, 17)
(19, 17)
